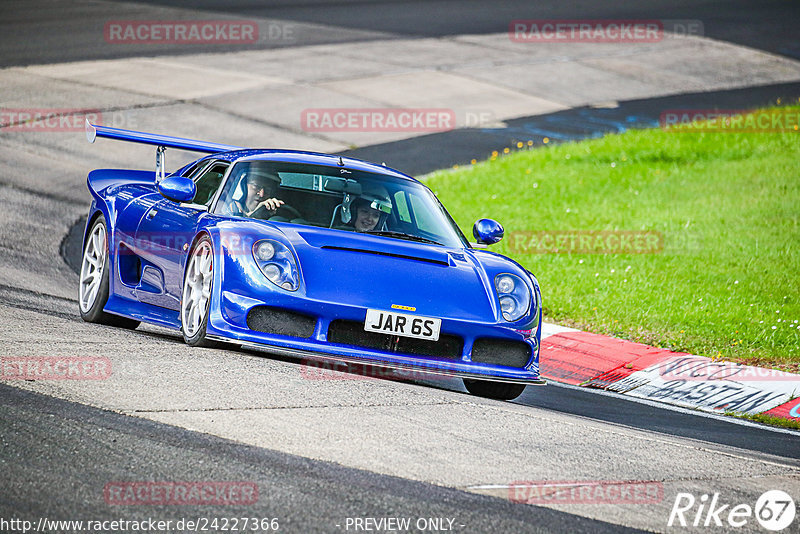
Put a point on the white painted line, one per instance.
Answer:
(549, 329)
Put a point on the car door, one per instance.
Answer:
(164, 235)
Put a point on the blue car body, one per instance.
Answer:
(339, 276)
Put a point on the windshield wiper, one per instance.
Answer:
(403, 235)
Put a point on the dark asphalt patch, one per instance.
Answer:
(70, 33)
(427, 153)
(72, 245)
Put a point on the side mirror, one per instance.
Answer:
(177, 188)
(487, 231)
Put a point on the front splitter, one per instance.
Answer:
(327, 357)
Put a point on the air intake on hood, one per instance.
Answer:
(390, 254)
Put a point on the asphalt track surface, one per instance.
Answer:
(57, 455)
(43, 477)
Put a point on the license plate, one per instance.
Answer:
(401, 324)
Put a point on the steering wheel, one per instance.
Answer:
(287, 208)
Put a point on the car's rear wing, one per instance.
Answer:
(163, 142)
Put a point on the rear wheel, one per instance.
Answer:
(493, 390)
(93, 289)
(196, 297)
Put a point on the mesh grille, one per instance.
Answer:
(282, 322)
(501, 352)
(353, 333)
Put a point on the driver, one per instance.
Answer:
(260, 201)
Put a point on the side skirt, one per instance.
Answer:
(143, 312)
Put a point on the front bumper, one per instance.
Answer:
(228, 322)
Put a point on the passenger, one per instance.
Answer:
(369, 213)
(260, 201)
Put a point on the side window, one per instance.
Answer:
(297, 180)
(422, 215)
(402, 207)
(309, 182)
(193, 168)
(208, 183)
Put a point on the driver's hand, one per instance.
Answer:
(271, 204)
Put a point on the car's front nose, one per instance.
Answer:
(342, 279)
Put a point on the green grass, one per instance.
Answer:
(768, 420)
(726, 283)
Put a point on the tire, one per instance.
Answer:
(196, 295)
(493, 390)
(93, 284)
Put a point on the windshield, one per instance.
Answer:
(337, 198)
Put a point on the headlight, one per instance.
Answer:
(508, 306)
(505, 284)
(277, 263)
(514, 296)
(265, 251)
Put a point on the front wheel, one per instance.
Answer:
(196, 297)
(93, 288)
(493, 390)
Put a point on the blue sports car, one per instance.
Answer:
(309, 255)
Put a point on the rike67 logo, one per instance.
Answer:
(774, 510)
